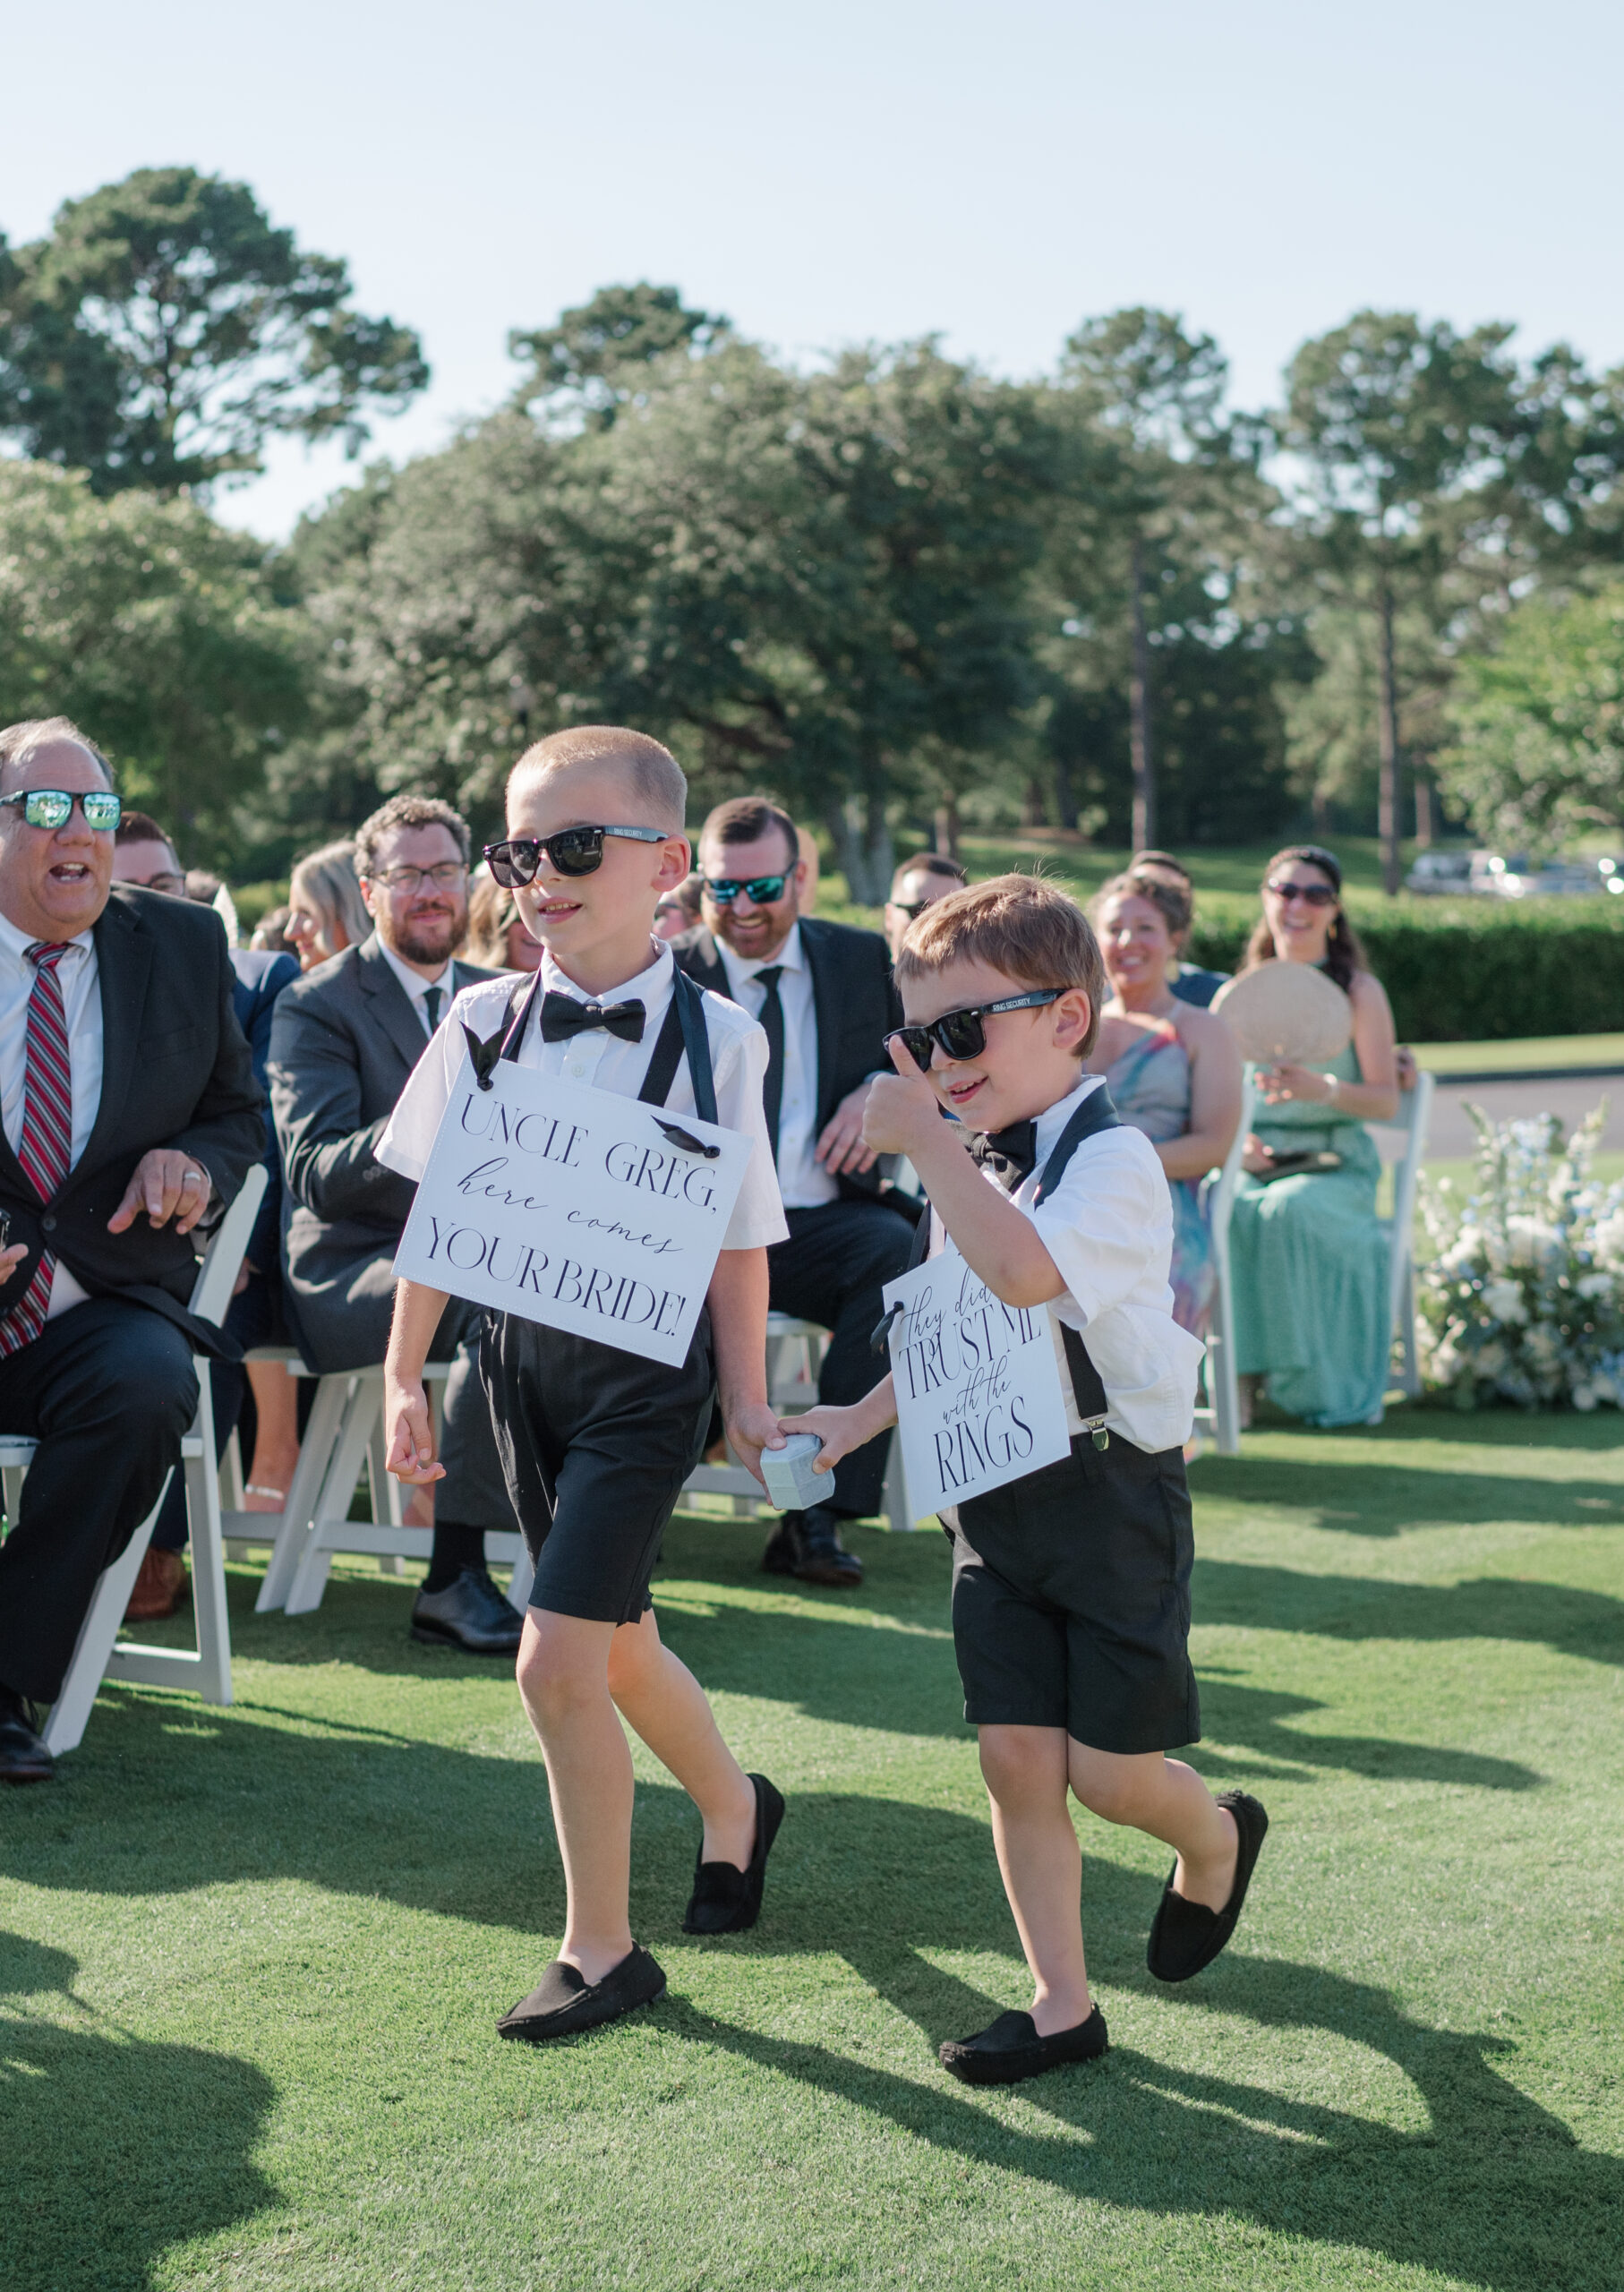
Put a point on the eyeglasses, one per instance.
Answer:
(1316, 895)
(912, 907)
(960, 1033)
(53, 807)
(444, 878)
(573, 852)
(764, 891)
(171, 886)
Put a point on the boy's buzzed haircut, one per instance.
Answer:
(1022, 927)
(652, 772)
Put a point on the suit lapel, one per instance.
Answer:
(391, 1005)
(123, 960)
(711, 968)
(822, 1005)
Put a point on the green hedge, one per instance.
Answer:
(1462, 976)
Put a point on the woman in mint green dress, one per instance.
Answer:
(1308, 1260)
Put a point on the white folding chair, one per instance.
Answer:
(1221, 1415)
(205, 1670)
(1412, 1122)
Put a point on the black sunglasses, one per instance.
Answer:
(1316, 895)
(765, 890)
(53, 807)
(960, 1033)
(573, 852)
(912, 907)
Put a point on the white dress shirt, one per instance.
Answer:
(417, 986)
(804, 1183)
(80, 981)
(739, 1058)
(1108, 1226)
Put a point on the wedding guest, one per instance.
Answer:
(497, 937)
(1309, 1261)
(671, 919)
(1173, 1069)
(811, 860)
(326, 911)
(929, 876)
(1188, 981)
(270, 935)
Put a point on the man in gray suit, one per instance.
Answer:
(343, 1041)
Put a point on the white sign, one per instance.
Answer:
(979, 1397)
(574, 1207)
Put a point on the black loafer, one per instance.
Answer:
(783, 1547)
(469, 1614)
(1186, 1935)
(1010, 2049)
(564, 2002)
(725, 1899)
(823, 1558)
(23, 1757)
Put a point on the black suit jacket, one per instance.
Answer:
(343, 1040)
(855, 1003)
(175, 1071)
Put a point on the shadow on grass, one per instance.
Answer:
(1389, 1496)
(1494, 2191)
(117, 2148)
(1564, 1618)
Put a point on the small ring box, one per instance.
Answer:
(791, 1482)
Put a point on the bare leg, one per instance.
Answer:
(1168, 1800)
(275, 1441)
(659, 1697)
(563, 1677)
(1025, 1771)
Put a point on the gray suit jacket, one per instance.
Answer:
(343, 1040)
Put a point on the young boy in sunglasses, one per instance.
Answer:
(596, 1442)
(1071, 1602)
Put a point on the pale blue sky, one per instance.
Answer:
(865, 169)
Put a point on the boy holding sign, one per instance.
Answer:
(1071, 1602)
(556, 1186)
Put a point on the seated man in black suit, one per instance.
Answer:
(343, 1041)
(823, 992)
(144, 853)
(130, 1117)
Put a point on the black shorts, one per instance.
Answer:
(594, 1445)
(1071, 1600)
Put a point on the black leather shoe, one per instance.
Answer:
(783, 1546)
(471, 1614)
(725, 1899)
(1010, 2049)
(1186, 1935)
(23, 1757)
(564, 2001)
(824, 1558)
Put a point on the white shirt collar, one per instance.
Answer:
(16, 943)
(652, 986)
(788, 957)
(415, 985)
(1054, 1119)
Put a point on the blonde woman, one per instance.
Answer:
(326, 911)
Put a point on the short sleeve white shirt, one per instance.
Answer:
(1108, 1226)
(738, 1060)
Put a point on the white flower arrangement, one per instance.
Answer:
(1522, 1297)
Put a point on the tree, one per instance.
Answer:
(1539, 752)
(161, 633)
(595, 358)
(165, 330)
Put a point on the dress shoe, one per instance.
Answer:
(469, 1614)
(23, 1757)
(807, 1545)
(564, 2001)
(160, 1587)
(1186, 1935)
(1010, 2049)
(725, 1899)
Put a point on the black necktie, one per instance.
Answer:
(432, 997)
(1011, 1155)
(772, 1021)
(563, 1017)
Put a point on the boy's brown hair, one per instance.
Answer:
(652, 771)
(1022, 927)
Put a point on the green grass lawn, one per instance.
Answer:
(250, 1959)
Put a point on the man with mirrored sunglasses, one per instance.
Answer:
(823, 991)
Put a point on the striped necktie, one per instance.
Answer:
(48, 1128)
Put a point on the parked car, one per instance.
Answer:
(1438, 872)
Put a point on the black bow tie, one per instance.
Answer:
(562, 1016)
(1011, 1155)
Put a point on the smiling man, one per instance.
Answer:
(130, 1117)
(343, 1040)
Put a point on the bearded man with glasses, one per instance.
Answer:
(130, 1117)
(343, 1042)
(824, 993)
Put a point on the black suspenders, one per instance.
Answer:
(684, 1034)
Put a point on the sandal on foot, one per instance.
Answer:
(1186, 1935)
(1010, 2049)
(725, 1899)
(564, 2001)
